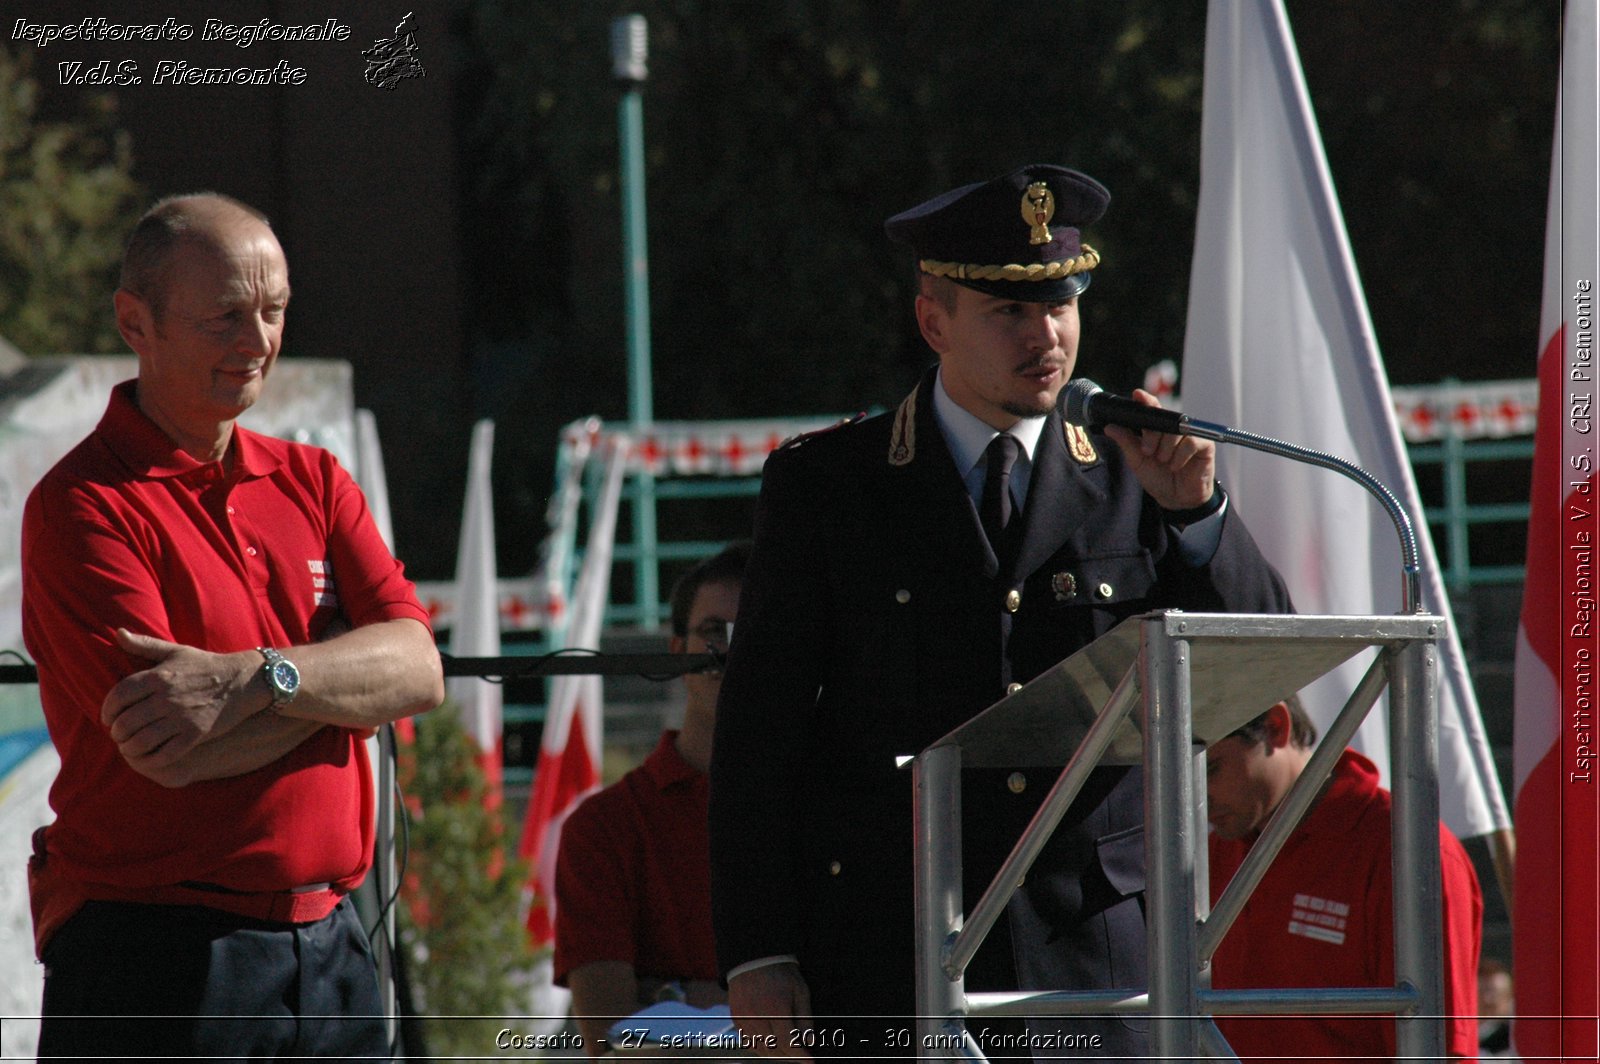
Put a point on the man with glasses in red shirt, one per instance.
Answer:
(633, 876)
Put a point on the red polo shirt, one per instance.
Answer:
(1323, 916)
(129, 531)
(633, 875)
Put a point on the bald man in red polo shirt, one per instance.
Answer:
(217, 625)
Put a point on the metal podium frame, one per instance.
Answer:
(1197, 678)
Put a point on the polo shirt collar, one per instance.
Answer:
(1350, 787)
(147, 451)
(250, 457)
(666, 766)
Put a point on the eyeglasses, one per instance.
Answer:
(716, 634)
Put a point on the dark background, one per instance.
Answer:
(457, 239)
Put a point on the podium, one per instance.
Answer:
(1193, 679)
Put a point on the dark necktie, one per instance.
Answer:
(995, 509)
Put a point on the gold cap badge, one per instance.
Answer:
(1038, 207)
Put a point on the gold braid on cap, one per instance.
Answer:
(1039, 271)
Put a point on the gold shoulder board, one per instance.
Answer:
(903, 437)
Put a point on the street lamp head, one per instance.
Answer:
(629, 48)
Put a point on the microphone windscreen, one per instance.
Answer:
(1075, 399)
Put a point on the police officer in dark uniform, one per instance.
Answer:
(909, 569)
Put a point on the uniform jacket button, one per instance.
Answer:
(1013, 600)
(1017, 782)
(834, 868)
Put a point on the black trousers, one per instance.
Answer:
(188, 982)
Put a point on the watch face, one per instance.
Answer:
(285, 677)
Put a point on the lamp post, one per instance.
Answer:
(629, 49)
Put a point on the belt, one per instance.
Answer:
(55, 899)
(296, 905)
(309, 888)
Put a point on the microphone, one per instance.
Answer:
(1087, 405)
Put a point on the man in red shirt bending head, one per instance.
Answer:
(1323, 915)
(217, 625)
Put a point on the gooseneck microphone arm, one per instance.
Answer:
(1082, 407)
(1410, 569)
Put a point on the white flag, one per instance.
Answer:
(1279, 342)
(370, 476)
(476, 632)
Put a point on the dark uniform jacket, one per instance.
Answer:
(874, 619)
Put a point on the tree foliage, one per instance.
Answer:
(67, 200)
(780, 134)
(1438, 121)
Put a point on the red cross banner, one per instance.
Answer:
(1556, 915)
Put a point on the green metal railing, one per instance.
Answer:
(645, 559)
(1457, 516)
(1452, 519)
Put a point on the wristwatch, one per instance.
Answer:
(282, 677)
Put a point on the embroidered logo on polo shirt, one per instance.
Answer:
(323, 592)
(1319, 918)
